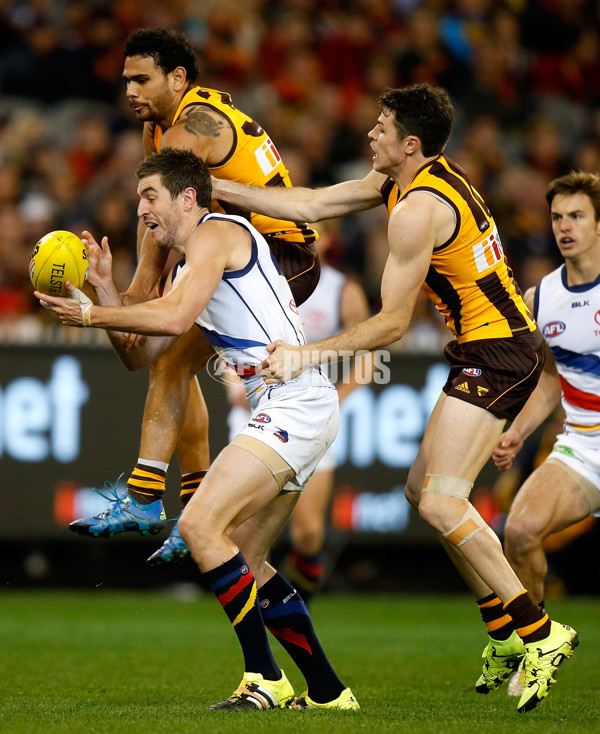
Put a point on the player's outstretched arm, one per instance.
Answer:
(302, 204)
(412, 233)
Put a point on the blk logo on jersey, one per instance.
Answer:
(553, 328)
(579, 304)
(261, 418)
(471, 371)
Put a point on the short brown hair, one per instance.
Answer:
(577, 182)
(179, 169)
(421, 110)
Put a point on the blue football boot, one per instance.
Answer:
(122, 515)
(173, 551)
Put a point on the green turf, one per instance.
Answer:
(100, 661)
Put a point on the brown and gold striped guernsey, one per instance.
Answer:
(253, 159)
(469, 280)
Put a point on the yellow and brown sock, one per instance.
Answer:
(498, 623)
(531, 622)
(146, 483)
(189, 484)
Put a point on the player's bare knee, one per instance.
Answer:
(519, 538)
(308, 540)
(413, 494)
(196, 533)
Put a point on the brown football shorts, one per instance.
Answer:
(496, 374)
(299, 262)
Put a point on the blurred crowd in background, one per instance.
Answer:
(524, 77)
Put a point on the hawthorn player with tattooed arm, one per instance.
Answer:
(161, 74)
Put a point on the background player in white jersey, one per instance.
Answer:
(566, 304)
(337, 303)
(232, 288)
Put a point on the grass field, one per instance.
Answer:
(99, 661)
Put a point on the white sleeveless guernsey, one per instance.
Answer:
(249, 309)
(569, 319)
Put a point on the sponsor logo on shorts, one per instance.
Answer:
(481, 391)
(553, 328)
(560, 449)
(261, 418)
(264, 603)
(471, 371)
(463, 387)
(282, 435)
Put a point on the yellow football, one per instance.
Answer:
(59, 256)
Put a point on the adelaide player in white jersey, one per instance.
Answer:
(231, 286)
(566, 303)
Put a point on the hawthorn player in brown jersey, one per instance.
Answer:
(161, 75)
(442, 238)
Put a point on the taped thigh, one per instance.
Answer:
(450, 486)
(282, 472)
(470, 525)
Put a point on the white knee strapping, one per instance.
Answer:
(451, 486)
(470, 525)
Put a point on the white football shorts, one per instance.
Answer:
(298, 419)
(580, 452)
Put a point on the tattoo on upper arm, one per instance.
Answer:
(200, 123)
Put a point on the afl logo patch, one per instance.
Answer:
(261, 418)
(471, 371)
(554, 328)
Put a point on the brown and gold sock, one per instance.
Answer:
(189, 484)
(146, 483)
(498, 623)
(531, 622)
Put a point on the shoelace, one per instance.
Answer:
(117, 499)
(113, 495)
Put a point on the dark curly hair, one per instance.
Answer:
(167, 47)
